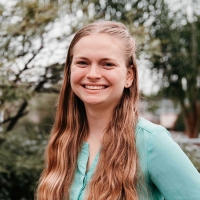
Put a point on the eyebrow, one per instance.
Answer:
(103, 59)
(80, 57)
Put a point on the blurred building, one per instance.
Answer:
(164, 112)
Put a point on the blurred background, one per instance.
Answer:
(34, 39)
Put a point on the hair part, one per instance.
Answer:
(116, 175)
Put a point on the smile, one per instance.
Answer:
(95, 87)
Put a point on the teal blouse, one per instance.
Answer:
(167, 171)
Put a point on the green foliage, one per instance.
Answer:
(11, 93)
(193, 152)
(25, 26)
(178, 67)
(21, 164)
(137, 16)
(21, 150)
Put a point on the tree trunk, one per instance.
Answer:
(191, 118)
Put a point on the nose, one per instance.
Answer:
(93, 72)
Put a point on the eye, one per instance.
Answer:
(82, 63)
(108, 64)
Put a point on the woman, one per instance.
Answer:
(99, 149)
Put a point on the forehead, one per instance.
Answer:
(99, 42)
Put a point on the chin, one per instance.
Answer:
(93, 102)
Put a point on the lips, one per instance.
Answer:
(95, 87)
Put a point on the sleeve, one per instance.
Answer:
(170, 169)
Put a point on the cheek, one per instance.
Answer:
(73, 80)
(73, 84)
(75, 76)
(117, 79)
(121, 79)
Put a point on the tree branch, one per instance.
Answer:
(11, 118)
(26, 65)
(17, 116)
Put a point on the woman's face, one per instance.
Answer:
(98, 70)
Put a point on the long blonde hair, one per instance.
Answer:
(116, 175)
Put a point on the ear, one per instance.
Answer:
(130, 77)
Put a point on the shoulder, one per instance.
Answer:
(162, 160)
(150, 136)
(150, 140)
(149, 127)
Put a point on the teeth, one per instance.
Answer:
(96, 87)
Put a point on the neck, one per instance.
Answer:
(98, 120)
